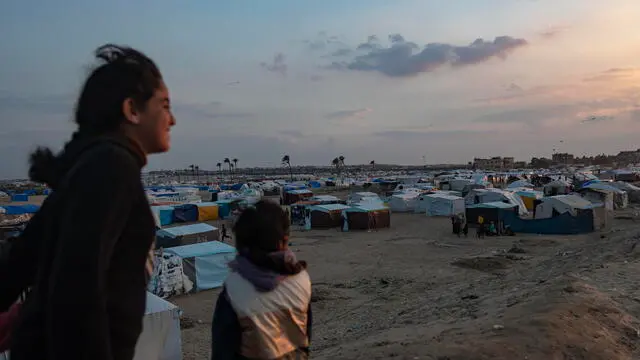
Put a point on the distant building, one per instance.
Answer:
(494, 163)
(625, 158)
(562, 158)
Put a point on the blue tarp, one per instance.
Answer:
(21, 209)
(20, 197)
(30, 192)
(164, 213)
(185, 213)
(205, 263)
(224, 208)
(315, 184)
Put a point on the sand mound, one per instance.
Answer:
(577, 322)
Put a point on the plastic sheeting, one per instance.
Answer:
(21, 209)
(163, 215)
(185, 213)
(207, 211)
(206, 264)
(20, 197)
(161, 337)
(443, 205)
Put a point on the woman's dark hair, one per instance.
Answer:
(123, 73)
(260, 231)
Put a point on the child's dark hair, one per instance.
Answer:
(124, 73)
(261, 230)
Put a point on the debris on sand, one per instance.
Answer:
(488, 263)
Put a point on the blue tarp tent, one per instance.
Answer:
(205, 263)
(185, 213)
(163, 215)
(21, 209)
(20, 197)
(315, 184)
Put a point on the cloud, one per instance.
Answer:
(403, 58)
(211, 111)
(342, 52)
(316, 78)
(553, 31)
(277, 65)
(348, 114)
(513, 87)
(48, 104)
(612, 74)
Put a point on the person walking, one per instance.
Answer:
(87, 265)
(224, 234)
(264, 309)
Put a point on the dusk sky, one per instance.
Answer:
(392, 81)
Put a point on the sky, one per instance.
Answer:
(402, 81)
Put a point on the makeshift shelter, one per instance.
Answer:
(633, 192)
(325, 199)
(555, 205)
(20, 197)
(520, 184)
(185, 234)
(168, 277)
(403, 202)
(326, 216)
(20, 209)
(491, 211)
(227, 206)
(185, 213)
(479, 196)
(362, 197)
(442, 205)
(161, 337)
(599, 196)
(620, 197)
(293, 196)
(205, 264)
(207, 211)
(557, 187)
(528, 196)
(363, 216)
(163, 215)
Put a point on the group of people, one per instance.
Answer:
(460, 226)
(73, 284)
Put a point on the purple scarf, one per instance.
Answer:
(262, 279)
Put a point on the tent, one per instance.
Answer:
(443, 205)
(359, 216)
(633, 192)
(599, 196)
(478, 196)
(293, 196)
(163, 214)
(557, 187)
(161, 337)
(185, 213)
(490, 211)
(20, 197)
(520, 184)
(528, 196)
(620, 196)
(207, 211)
(327, 215)
(206, 264)
(560, 204)
(186, 234)
(403, 202)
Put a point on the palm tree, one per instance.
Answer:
(336, 162)
(219, 166)
(228, 162)
(286, 160)
(373, 165)
(197, 169)
(235, 163)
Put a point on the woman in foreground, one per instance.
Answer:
(85, 253)
(264, 310)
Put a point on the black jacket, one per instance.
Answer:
(84, 256)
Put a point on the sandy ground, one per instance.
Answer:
(415, 291)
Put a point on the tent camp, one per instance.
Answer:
(633, 192)
(205, 264)
(161, 337)
(557, 187)
(326, 216)
(185, 234)
(442, 205)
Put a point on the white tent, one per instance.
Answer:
(561, 204)
(161, 337)
(403, 202)
(479, 196)
(443, 205)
